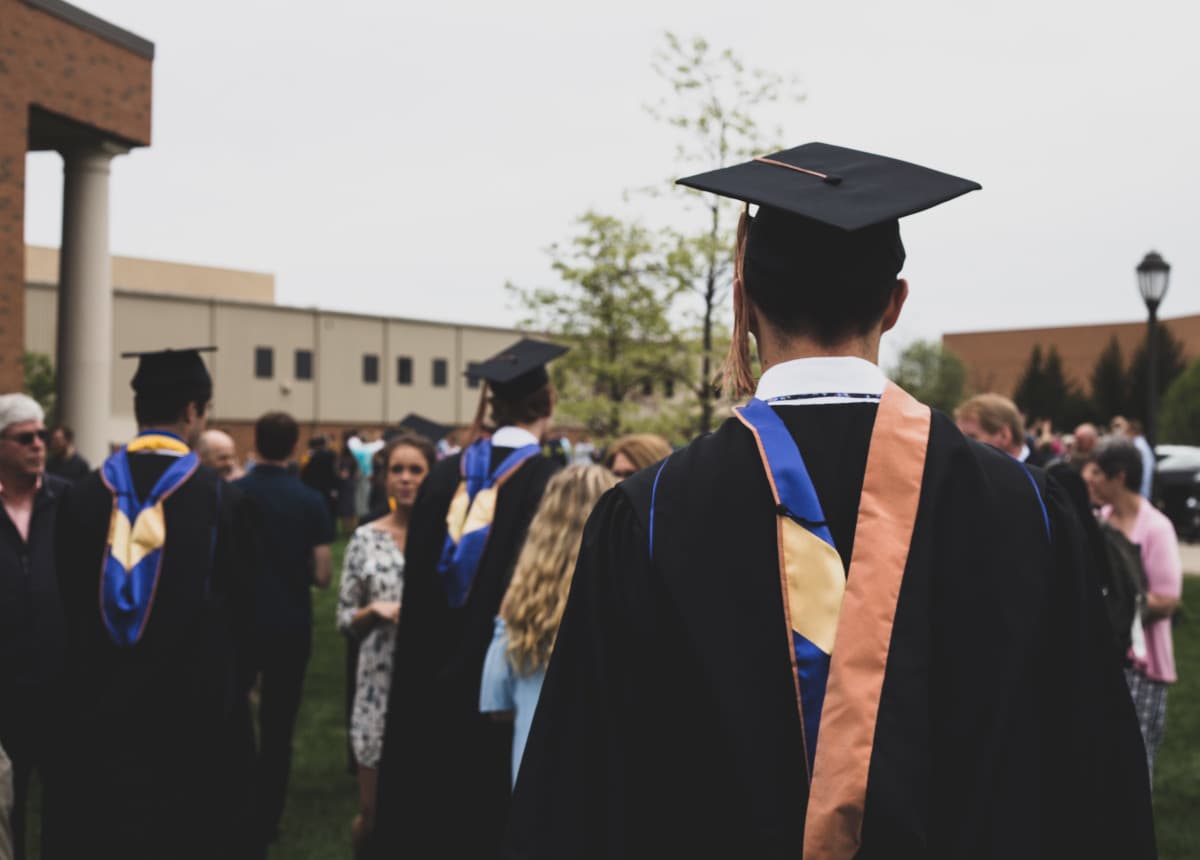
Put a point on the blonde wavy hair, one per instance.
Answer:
(642, 449)
(533, 607)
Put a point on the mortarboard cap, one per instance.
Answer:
(169, 367)
(518, 370)
(431, 430)
(828, 216)
(832, 185)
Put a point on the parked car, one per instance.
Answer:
(1177, 487)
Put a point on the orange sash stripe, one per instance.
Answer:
(887, 513)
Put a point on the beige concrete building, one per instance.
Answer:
(331, 370)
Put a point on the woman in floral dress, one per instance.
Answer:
(369, 607)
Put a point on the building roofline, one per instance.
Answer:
(1066, 327)
(96, 26)
(298, 309)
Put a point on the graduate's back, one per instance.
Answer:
(835, 627)
(669, 721)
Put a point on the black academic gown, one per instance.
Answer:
(668, 724)
(444, 782)
(157, 741)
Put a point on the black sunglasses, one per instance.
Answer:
(27, 437)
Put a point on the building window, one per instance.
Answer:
(647, 387)
(669, 388)
(404, 370)
(472, 382)
(439, 372)
(370, 369)
(303, 364)
(264, 362)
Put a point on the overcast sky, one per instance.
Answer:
(409, 158)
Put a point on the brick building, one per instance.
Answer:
(76, 84)
(995, 360)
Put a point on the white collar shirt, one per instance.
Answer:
(821, 380)
(513, 437)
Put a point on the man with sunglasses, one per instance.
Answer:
(31, 625)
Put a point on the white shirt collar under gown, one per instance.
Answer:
(513, 437)
(830, 375)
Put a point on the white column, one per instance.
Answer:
(85, 302)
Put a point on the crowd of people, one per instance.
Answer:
(842, 625)
(1113, 473)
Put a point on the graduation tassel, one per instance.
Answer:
(735, 376)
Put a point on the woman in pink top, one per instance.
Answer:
(1114, 477)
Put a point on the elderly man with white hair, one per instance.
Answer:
(31, 622)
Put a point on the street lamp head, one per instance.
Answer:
(1153, 274)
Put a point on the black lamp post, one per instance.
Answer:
(1153, 274)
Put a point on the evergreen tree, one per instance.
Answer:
(1029, 394)
(1170, 363)
(1045, 392)
(1110, 385)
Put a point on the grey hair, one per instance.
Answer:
(17, 409)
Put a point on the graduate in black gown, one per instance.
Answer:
(444, 779)
(835, 627)
(154, 569)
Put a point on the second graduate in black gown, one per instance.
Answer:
(444, 777)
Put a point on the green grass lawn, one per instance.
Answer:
(1177, 768)
(322, 799)
(323, 796)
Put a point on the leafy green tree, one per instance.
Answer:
(1180, 413)
(1170, 363)
(713, 104)
(612, 306)
(1110, 385)
(40, 382)
(931, 373)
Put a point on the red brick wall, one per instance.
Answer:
(61, 68)
(243, 434)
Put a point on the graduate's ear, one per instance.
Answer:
(891, 313)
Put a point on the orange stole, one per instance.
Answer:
(887, 513)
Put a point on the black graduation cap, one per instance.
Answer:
(833, 185)
(169, 367)
(431, 430)
(518, 370)
(827, 215)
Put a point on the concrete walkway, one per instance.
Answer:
(1189, 553)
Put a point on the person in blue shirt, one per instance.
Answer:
(295, 530)
(516, 660)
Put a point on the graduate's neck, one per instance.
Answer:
(179, 428)
(775, 348)
(538, 428)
